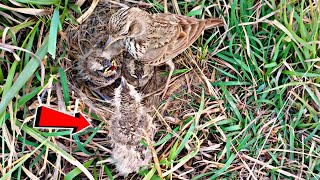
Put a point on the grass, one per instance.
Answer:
(249, 106)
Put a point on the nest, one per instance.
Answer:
(80, 40)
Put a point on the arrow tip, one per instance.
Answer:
(82, 124)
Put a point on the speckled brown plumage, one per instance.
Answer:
(128, 126)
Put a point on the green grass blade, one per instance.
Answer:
(76, 171)
(64, 84)
(55, 23)
(25, 75)
(40, 2)
(54, 148)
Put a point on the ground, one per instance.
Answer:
(243, 103)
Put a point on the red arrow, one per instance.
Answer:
(50, 118)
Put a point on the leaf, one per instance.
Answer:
(31, 11)
(28, 96)
(55, 22)
(40, 2)
(64, 84)
(76, 171)
(225, 167)
(292, 35)
(194, 12)
(22, 160)
(24, 76)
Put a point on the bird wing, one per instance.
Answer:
(154, 56)
(163, 29)
(172, 34)
(193, 28)
(164, 32)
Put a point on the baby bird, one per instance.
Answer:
(154, 39)
(129, 125)
(135, 72)
(97, 70)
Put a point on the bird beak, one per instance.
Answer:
(112, 40)
(111, 68)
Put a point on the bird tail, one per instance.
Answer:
(213, 22)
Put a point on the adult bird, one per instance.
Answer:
(154, 39)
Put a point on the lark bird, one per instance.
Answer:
(97, 70)
(154, 39)
(134, 71)
(129, 125)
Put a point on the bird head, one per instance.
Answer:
(104, 67)
(139, 73)
(97, 69)
(126, 22)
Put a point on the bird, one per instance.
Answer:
(129, 124)
(153, 39)
(134, 71)
(97, 70)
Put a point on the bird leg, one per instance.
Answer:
(171, 66)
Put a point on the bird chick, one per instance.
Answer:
(135, 72)
(154, 39)
(129, 125)
(97, 70)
